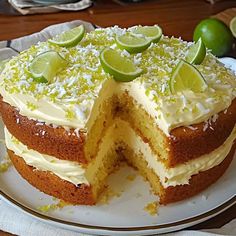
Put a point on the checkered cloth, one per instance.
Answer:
(30, 7)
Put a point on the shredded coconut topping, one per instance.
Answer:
(78, 85)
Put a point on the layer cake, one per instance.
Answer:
(65, 137)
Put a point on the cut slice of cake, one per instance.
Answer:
(67, 135)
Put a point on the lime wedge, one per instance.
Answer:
(69, 38)
(46, 65)
(232, 26)
(196, 53)
(132, 43)
(186, 77)
(122, 69)
(153, 33)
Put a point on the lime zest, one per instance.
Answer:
(122, 69)
(46, 65)
(153, 33)
(132, 43)
(196, 53)
(187, 77)
(69, 38)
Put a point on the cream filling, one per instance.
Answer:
(182, 173)
(166, 116)
(66, 170)
(121, 132)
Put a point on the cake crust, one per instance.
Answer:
(51, 184)
(197, 183)
(185, 143)
(43, 138)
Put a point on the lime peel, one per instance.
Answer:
(153, 33)
(46, 65)
(121, 68)
(197, 53)
(132, 43)
(187, 77)
(69, 38)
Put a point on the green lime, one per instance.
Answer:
(232, 26)
(153, 33)
(196, 53)
(69, 38)
(186, 77)
(215, 35)
(46, 65)
(132, 43)
(122, 69)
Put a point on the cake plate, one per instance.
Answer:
(124, 213)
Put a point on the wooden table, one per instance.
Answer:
(176, 17)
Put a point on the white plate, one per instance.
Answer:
(123, 215)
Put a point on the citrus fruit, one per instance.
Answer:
(69, 38)
(186, 77)
(46, 65)
(153, 33)
(132, 43)
(196, 53)
(215, 35)
(232, 26)
(121, 68)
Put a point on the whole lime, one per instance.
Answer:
(215, 35)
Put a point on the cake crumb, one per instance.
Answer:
(152, 208)
(107, 195)
(131, 177)
(5, 164)
(51, 207)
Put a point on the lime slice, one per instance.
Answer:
(196, 53)
(186, 77)
(46, 65)
(132, 43)
(122, 69)
(153, 33)
(232, 26)
(69, 38)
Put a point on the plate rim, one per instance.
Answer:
(211, 213)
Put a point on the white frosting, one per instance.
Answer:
(122, 132)
(71, 97)
(167, 116)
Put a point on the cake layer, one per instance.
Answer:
(171, 194)
(183, 145)
(70, 96)
(52, 184)
(115, 139)
(67, 170)
(83, 194)
(73, 144)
